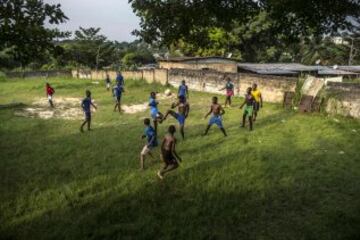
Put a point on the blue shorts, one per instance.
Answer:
(180, 118)
(154, 113)
(118, 98)
(87, 116)
(216, 120)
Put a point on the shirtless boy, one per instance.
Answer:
(248, 111)
(181, 115)
(217, 111)
(168, 153)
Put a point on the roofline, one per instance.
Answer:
(184, 59)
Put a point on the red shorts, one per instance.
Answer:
(229, 93)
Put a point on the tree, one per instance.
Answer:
(171, 20)
(89, 48)
(22, 28)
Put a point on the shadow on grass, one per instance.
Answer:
(269, 194)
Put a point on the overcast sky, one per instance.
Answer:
(114, 17)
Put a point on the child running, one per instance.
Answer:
(168, 153)
(183, 90)
(117, 92)
(86, 106)
(217, 111)
(107, 82)
(258, 103)
(229, 91)
(154, 112)
(151, 142)
(248, 111)
(181, 115)
(50, 92)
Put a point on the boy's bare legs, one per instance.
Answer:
(82, 126)
(167, 168)
(251, 122)
(243, 120)
(223, 131)
(182, 131)
(207, 130)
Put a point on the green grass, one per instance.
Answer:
(295, 177)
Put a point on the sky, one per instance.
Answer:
(114, 17)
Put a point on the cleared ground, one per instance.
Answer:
(295, 177)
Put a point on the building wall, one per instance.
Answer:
(272, 87)
(343, 99)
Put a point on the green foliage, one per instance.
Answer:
(22, 29)
(171, 20)
(295, 176)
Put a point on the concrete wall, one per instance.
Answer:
(52, 73)
(343, 99)
(272, 88)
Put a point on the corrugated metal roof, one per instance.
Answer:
(355, 69)
(290, 68)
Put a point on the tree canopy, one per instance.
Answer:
(24, 36)
(171, 20)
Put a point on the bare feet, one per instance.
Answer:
(159, 175)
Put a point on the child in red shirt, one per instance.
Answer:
(50, 91)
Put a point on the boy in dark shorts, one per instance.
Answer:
(258, 101)
(181, 115)
(248, 111)
(154, 112)
(118, 90)
(150, 134)
(183, 90)
(86, 106)
(50, 92)
(217, 111)
(168, 153)
(229, 91)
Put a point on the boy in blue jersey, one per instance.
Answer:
(183, 90)
(117, 92)
(154, 112)
(181, 115)
(86, 106)
(120, 79)
(217, 111)
(151, 143)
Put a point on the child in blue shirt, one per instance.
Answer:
(117, 92)
(154, 112)
(150, 135)
(86, 106)
(183, 90)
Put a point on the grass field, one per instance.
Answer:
(294, 177)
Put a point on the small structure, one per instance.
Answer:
(220, 64)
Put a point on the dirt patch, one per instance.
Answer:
(132, 109)
(65, 108)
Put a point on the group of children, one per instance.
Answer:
(252, 102)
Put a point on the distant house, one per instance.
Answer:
(220, 64)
